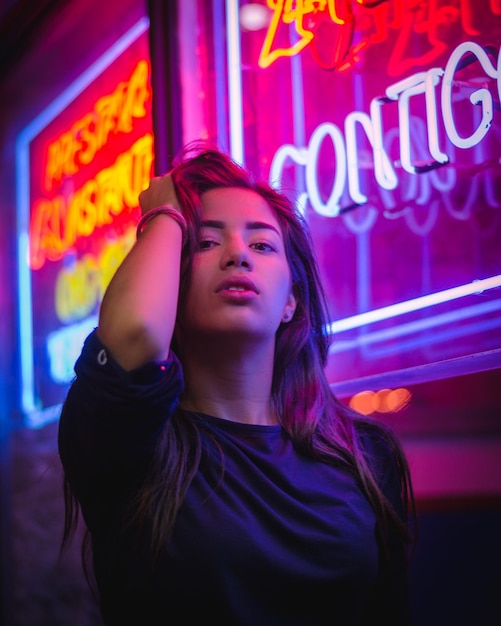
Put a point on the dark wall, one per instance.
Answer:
(45, 590)
(456, 572)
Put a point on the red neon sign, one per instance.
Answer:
(70, 210)
(328, 27)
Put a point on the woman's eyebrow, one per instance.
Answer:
(248, 225)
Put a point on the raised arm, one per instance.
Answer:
(138, 311)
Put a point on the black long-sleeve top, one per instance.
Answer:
(276, 539)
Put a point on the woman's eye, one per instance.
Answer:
(262, 246)
(206, 244)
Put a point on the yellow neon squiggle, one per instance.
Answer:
(283, 12)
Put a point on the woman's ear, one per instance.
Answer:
(289, 308)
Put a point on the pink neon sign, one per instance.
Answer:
(392, 150)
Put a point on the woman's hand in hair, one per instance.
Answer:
(160, 192)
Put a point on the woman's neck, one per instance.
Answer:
(230, 384)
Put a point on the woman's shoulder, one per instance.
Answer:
(377, 438)
(383, 452)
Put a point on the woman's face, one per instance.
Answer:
(241, 280)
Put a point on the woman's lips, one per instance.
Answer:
(237, 285)
(237, 289)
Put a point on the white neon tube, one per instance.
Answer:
(234, 81)
(414, 304)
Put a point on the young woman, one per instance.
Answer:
(218, 476)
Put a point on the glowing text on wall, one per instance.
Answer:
(57, 222)
(430, 155)
(113, 113)
(81, 164)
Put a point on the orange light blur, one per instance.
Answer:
(381, 401)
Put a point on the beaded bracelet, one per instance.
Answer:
(163, 210)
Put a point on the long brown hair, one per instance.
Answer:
(318, 423)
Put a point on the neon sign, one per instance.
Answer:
(81, 166)
(399, 179)
(327, 28)
(347, 157)
(113, 113)
(57, 224)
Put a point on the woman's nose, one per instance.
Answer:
(236, 253)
